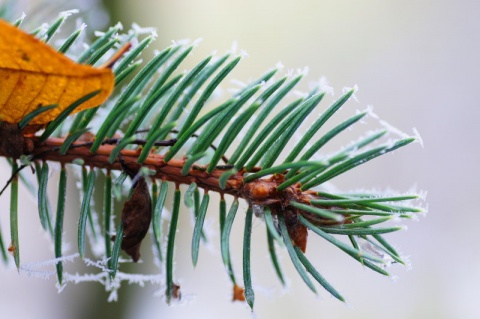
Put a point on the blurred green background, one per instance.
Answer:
(416, 62)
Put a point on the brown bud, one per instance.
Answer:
(261, 192)
(296, 230)
(238, 293)
(11, 249)
(176, 292)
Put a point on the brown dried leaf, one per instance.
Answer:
(136, 217)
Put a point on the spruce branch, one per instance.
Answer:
(156, 133)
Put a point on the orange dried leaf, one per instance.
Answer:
(33, 74)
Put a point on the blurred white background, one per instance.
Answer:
(417, 63)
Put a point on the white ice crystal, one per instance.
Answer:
(258, 210)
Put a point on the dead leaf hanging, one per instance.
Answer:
(136, 213)
(32, 74)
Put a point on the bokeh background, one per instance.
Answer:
(416, 62)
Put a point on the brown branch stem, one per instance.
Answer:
(261, 192)
(171, 171)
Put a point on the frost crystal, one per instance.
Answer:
(417, 136)
(258, 210)
(142, 30)
(369, 247)
(66, 14)
(388, 126)
(196, 42)
(244, 54)
(234, 47)
(103, 277)
(322, 85)
(355, 90)
(303, 71)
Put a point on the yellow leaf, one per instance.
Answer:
(32, 74)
